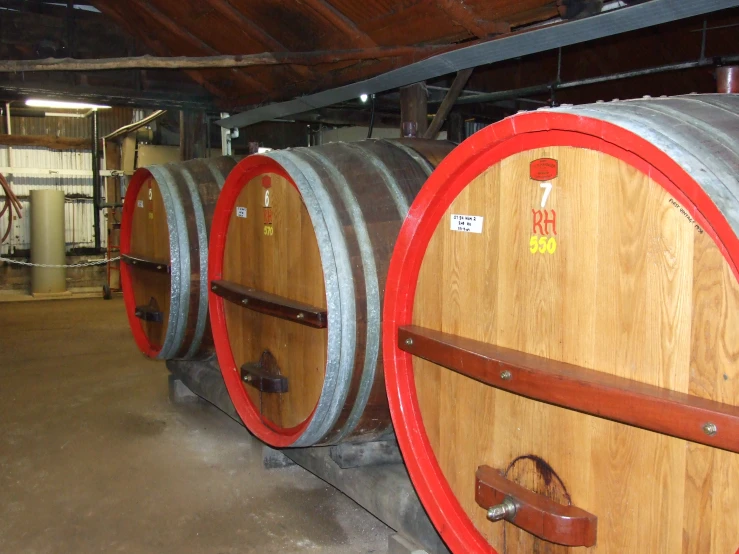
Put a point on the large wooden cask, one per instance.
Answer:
(164, 249)
(299, 250)
(561, 332)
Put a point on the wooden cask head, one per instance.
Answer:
(557, 238)
(271, 246)
(145, 238)
(299, 252)
(164, 249)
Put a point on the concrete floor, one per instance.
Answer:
(94, 457)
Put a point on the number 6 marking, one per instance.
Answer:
(548, 187)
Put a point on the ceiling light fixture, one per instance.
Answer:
(36, 103)
(363, 97)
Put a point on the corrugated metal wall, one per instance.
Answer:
(75, 179)
(77, 127)
(70, 171)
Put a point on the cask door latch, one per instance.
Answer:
(264, 375)
(149, 312)
(532, 512)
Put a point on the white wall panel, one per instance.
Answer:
(79, 230)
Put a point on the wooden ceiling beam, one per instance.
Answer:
(265, 59)
(341, 22)
(172, 27)
(461, 15)
(255, 32)
(196, 76)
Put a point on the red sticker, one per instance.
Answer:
(266, 181)
(544, 169)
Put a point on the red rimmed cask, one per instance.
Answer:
(560, 332)
(164, 249)
(299, 250)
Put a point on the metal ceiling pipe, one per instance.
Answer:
(540, 89)
(727, 79)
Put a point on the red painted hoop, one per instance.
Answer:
(239, 177)
(129, 205)
(470, 159)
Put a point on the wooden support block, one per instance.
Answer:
(179, 392)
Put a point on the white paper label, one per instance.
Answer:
(241, 212)
(467, 223)
(140, 203)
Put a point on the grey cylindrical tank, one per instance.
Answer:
(47, 241)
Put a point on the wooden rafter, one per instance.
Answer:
(176, 30)
(448, 103)
(196, 76)
(255, 32)
(461, 15)
(341, 22)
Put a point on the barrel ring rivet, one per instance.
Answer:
(710, 429)
(506, 375)
(409, 341)
(301, 315)
(245, 301)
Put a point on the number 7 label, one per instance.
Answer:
(547, 190)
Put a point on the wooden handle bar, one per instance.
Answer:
(585, 390)
(270, 304)
(533, 512)
(264, 375)
(146, 263)
(150, 313)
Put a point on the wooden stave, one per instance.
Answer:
(189, 190)
(626, 122)
(321, 191)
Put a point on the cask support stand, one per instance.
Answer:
(371, 474)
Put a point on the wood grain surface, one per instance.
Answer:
(280, 258)
(633, 288)
(150, 240)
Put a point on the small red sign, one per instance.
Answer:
(266, 181)
(544, 169)
(268, 216)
